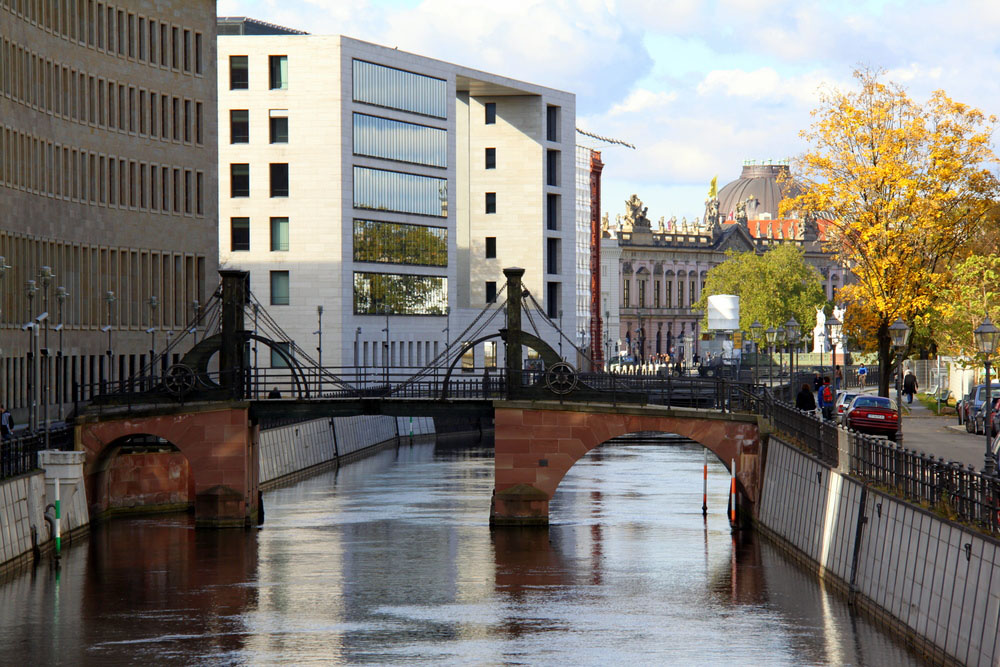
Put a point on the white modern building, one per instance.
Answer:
(391, 190)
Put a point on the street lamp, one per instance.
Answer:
(357, 353)
(771, 335)
(154, 303)
(899, 334)
(196, 306)
(987, 337)
(45, 277)
(755, 329)
(792, 330)
(780, 340)
(109, 298)
(61, 296)
(30, 289)
(833, 337)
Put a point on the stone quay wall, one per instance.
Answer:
(933, 580)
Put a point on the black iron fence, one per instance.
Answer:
(817, 435)
(19, 455)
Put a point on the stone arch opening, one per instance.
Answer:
(536, 445)
(142, 472)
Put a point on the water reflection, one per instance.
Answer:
(390, 560)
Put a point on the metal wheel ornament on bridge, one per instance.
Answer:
(561, 378)
(179, 379)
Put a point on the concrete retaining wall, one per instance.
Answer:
(287, 450)
(22, 507)
(934, 580)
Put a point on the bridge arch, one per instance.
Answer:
(538, 442)
(142, 471)
(219, 445)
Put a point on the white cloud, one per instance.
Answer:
(642, 100)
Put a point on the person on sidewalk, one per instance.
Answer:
(826, 398)
(6, 423)
(804, 399)
(862, 375)
(909, 386)
(838, 377)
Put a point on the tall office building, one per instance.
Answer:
(390, 189)
(108, 156)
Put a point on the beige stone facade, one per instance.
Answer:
(108, 177)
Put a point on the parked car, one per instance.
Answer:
(876, 415)
(973, 403)
(960, 406)
(989, 412)
(843, 400)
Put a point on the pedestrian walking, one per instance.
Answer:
(862, 375)
(838, 377)
(909, 386)
(817, 381)
(6, 423)
(804, 399)
(827, 398)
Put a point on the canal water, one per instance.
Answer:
(390, 560)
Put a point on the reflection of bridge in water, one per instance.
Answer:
(209, 406)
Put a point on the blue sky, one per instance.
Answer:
(698, 86)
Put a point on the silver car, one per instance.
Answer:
(840, 405)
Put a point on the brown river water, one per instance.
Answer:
(390, 560)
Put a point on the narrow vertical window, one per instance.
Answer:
(197, 52)
(552, 212)
(239, 234)
(491, 291)
(552, 168)
(278, 72)
(239, 126)
(279, 179)
(187, 50)
(552, 255)
(279, 234)
(552, 123)
(279, 129)
(491, 247)
(491, 158)
(280, 288)
(239, 175)
(491, 202)
(491, 113)
(239, 76)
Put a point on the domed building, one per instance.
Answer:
(759, 187)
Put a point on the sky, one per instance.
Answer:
(698, 86)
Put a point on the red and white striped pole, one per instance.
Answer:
(732, 493)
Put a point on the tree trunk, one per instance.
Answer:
(884, 358)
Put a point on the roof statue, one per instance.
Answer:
(605, 227)
(741, 212)
(635, 215)
(672, 223)
(662, 225)
(712, 211)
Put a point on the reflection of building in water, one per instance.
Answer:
(371, 181)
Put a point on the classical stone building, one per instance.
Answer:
(663, 267)
(107, 188)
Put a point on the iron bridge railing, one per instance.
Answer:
(19, 455)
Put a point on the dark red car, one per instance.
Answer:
(876, 415)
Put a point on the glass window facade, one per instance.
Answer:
(239, 78)
(280, 295)
(239, 126)
(395, 140)
(399, 294)
(400, 243)
(397, 89)
(383, 190)
(239, 180)
(239, 234)
(279, 234)
(278, 72)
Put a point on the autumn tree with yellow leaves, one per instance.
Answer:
(905, 186)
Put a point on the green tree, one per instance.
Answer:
(906, 187)
(772, 287)
(971, 293)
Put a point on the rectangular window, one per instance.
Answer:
(281, 353)
(491, 113)
(491, 158)
(131, 35)
(491, 247)
(396, 140)
(400, 243)
(670, 294)
(397, 89)
(491, 202)
(278, 72)
(239, 76)
(279, 179)
(552, 168)
(552, 255)
(152, 41)
(490, 353)
(175, 48)
(399, 294)
(239, 175)
(468, 358)
(552, 211)
(188, 118)
(279, 288)
(239, 126)
(552, 300)
(552, 123)
(642, 294)
(239, 234)
(656, 294)
(187, 50)
(279, 128)
(626, 294)
(197, 52)
(279, 234)
(399, 192)
(177, 119)
(491, 291)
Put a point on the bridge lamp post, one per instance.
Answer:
(755, 330)
(61, 296)
(3, 271)
(109, 298)
(792, 330)
(780, 340)
(987, 337)
(154, 303)
(771, 335)
(357, 352)
(832, 334)
(899, 334)
(319, 348)
(607, 340)
(30, 290)
(45, 277)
